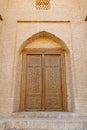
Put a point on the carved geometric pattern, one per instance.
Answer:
(43, 4)
(33, 83)
(43, 82)
(53, 82)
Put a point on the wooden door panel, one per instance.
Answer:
(53, 102)
(52, 60)
(34, 60)
(53, 94)
(33, 82)
(33, 102)
(52, 80)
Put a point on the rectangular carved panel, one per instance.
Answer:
(34, 80)
(33, 60)
(53, 102)
(52, 80)
(33, 102)
(52, 60)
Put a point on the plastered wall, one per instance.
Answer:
(21, 20)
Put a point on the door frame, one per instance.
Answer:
(23, 77)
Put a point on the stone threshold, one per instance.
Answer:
(43, 124)
(45, 114)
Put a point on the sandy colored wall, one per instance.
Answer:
(17, 27)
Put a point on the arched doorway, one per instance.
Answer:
(43, 76)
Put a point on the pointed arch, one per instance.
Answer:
(43, 34)
(66, 66)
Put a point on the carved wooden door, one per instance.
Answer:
(43, 82)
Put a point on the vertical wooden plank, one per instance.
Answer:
(53, 88)
(33, 83)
